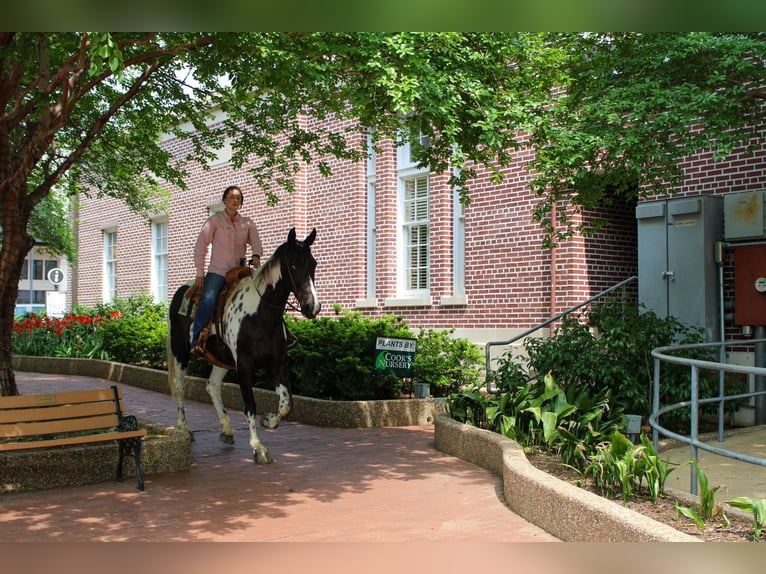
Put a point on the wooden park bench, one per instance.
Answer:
(70, 418)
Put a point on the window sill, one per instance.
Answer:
(366, 303)
(453, 300)
(408, 302)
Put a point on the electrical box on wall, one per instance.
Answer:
(677, 267)
(750, 285)
(744, 216)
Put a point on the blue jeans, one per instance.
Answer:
(207, 302)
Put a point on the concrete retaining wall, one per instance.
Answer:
(564, 510)
(345, 414)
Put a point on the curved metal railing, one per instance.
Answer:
(661, 355)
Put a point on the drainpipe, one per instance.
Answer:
(554, 277)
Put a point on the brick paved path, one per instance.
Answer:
(326, 484)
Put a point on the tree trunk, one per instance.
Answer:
(15, 244)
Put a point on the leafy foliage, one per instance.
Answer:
(707, 509)
(632, 106)
(542, 415)
(336, 358)
(619, 466)
(609, 346)
(756, 506)
(446, 363)
(139, 337)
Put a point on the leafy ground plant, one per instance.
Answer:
(541, 415)
(621, 467)
(756, 507)
(708, 509)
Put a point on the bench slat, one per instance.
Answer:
(26, 445)
(65, 398)
(17, 430)
(58, 412)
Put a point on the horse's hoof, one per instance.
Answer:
(226, 438)
(262, 457)
(270, 420)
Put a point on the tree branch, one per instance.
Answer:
(92, 133)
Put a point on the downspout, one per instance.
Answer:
(554, 275)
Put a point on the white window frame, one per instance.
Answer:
(458, 296)
(159, 285)
(370, 232)
(110, 265)
(407, 170)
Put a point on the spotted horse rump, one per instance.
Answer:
(250, 334)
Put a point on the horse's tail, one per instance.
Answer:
(177, 345)
(171, 362)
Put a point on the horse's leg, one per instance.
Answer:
(244, 375)
(282, 387)
(214, 390)
(178, 376)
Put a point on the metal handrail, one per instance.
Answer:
(490, 344)
(694, 404)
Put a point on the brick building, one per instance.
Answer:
(394, 239)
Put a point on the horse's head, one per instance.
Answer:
(298, 264)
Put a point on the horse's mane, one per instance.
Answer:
(270, 272)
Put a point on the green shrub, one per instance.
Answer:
(136, 340)
(446, 363)
(335, 357)
(139, 336)
(609, 347)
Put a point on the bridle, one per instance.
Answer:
(293, 288)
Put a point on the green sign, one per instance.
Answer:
(395, 355)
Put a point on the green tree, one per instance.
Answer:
(83, 112)
(634, 105)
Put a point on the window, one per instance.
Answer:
(25, 270)
(405, 152)
(49, 265)
(27, 297)
(160, 260)
(415, 235)
(414, 240)
(37, 269)
(110, 265)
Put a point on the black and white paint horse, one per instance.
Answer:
(252, 329)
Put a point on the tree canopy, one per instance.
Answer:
(634, 105)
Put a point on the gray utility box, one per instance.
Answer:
(677, 266)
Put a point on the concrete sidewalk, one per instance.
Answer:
(326, 484)
(736, 478)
